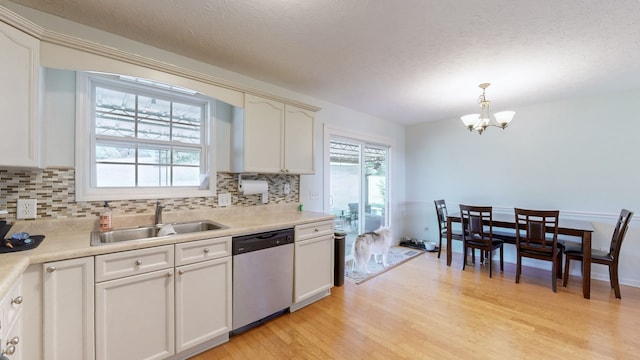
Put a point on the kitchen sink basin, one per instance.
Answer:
(151, 231)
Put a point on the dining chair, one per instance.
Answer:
(610, 258)
(353, 213)
(537, 238)
(441, 211)
(477, 233)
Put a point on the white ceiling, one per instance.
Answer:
(407, 61)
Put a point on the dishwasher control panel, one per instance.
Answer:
(253, 242)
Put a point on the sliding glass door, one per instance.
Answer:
(358, 186)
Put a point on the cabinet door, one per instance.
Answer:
(68, 328)
(313, 267)
(263, 135)
(135, 317)
(19, 82)
(298, 140)
(203, 302)
(13, 341)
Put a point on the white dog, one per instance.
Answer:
(373, 243)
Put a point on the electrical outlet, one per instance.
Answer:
(287, 188)
(224, 199)
(27, 209)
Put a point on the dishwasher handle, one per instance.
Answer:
(265, 236)
(254, 242)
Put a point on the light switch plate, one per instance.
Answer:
(27, 209)
(224, 199)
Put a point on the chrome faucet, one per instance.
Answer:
(158, 217)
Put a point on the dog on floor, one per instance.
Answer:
(371, 243)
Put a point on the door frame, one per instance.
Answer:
(328, 132)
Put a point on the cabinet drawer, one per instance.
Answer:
(127, 263)
(11, 306)
(312, 230)
(196, 251)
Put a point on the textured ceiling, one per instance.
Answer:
(407, 61)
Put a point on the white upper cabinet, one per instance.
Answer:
(271, 137)
(298, 140)
(19, 101)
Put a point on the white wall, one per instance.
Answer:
(576, 155)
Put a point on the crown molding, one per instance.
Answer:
(52, 37)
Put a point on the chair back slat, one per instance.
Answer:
(441, 211)
(619, 233)
(537, 230)
(477, 223)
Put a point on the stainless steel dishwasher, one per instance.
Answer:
(262, 277)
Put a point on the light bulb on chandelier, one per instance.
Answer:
(479, 122)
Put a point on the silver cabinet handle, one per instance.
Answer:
(138, 262)
(180, 272)
(316, 230)
(169, 274)
(51, 269)
(206, 250)
(11, 346)
(10, 350)
(17, 300)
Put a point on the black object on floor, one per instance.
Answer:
(416, 245)
(339, 252)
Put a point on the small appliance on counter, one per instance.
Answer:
(18, 241)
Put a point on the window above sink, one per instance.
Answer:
(142, 139)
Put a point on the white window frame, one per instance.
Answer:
(85, 151)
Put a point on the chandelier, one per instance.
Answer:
(479, 122)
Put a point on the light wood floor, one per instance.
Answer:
(426, 310)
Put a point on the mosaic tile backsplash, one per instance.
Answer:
(54, 189)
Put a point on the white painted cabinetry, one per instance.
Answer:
(203, 292)
(271, 137)
(298, 140)
(313, 277)
(135, 304)
(19, 101)
(68, 306)
(11, 339)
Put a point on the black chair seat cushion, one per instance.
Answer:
(596, 254)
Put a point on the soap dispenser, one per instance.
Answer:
(106, 218)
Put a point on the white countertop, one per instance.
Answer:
(70, 238)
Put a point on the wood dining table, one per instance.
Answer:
(570, 227)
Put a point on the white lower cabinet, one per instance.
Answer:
(11, 339)
(203, 292)
(135, 314)
(68, 327)
(203, 302)
(313, 265)
(147, 309)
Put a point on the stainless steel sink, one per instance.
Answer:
(151, 231)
